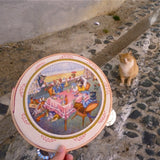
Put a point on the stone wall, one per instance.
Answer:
(21, 20)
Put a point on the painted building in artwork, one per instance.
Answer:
(88, 74)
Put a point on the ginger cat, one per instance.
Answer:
(128, 68)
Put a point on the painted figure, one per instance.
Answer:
(91, 100)
(41, 80)
(82, 84)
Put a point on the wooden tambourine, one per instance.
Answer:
(61, 99)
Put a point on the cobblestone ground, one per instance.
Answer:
(136, 133)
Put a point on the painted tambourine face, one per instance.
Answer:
(61, 99)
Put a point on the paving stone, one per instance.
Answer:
(148, 138)
(150, 122)
(157, 73)
(149, 55)
(152, 77)
(109, 38)
(131, 125)
(158, 131)
(3, 109)
(131, 134)
(157, 4)
(115, 74)
(158, 87)
(108, 66)
(3, 151)
(135, 114)
(129, 24)
(119, 94)
(156, 93)
(106, 134)
(141, 106)
(149, 152)
(105, 72)
(143, 7)
(152, 46)
(156, 57)
(158, 35)
(106, 41)
(158, 154)
(121, 27)
(140, 157)
(98, 41)
(142, 14)
(151, 100)
(92, 51)
(155, 30)
(146, 83)
(158, 141)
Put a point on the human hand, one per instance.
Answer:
(62, 154)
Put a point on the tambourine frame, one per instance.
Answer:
(72, 128)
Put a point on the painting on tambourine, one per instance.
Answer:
(64, 91)
(61, 99)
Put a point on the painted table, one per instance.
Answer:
(59, 106)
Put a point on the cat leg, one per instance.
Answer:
(122, 81)
(129, 81)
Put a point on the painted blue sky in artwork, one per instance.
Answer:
(62, 67)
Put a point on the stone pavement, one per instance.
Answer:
(136, 133)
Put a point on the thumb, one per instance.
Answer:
(60, 154)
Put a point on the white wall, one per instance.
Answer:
(25, 19)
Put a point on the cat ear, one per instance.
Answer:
(120, 55)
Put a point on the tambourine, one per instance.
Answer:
(63, 99)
